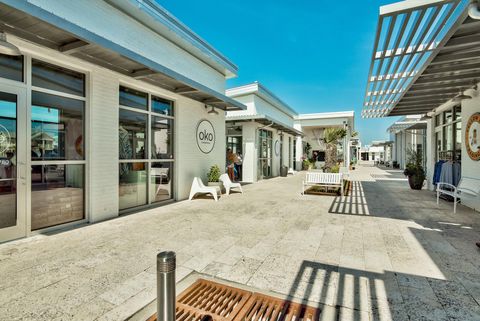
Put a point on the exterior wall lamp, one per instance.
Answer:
(7, 48)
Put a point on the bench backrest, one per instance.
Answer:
(469, 185)
(324, 178)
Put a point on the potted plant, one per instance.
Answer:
(352, 164)
(213, 176)
(414, 169)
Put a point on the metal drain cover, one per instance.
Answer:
(226, 303)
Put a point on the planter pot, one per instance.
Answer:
(218, 185)
(416, 182)
(284, 171)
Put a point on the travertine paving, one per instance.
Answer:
(382, 253)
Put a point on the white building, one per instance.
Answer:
(270, 134)
(432, 72)
(408, 133)
(105, 109)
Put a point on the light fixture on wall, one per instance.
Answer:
(6, 47)
(461, 96)
(211, 111)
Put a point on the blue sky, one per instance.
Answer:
(314, 55)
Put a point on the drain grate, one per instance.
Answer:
(226, 303)
(203, 297)
(266, 308)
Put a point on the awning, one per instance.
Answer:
(265, 120)
(382, 143)
(41, 27)
(425, 53)
(407, 124)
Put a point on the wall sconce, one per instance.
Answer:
(211, 111)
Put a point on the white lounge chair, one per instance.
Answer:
(467, 187)
(323, 179)
(199, 187)
(228, 184)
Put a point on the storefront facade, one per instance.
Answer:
(95, 123)
(265, 132)
(407, 134)
(313, 127)
(274, 135)
(436, 78)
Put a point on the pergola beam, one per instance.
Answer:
(142, 73)
(73, 46)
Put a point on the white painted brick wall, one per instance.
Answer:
(103, 145)
(191, 162)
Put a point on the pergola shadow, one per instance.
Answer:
(346, 293)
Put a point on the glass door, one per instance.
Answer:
(13, 188)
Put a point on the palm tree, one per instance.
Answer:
(331, 138)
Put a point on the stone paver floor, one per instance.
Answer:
(382, 253)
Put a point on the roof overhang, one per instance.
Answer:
(408, 122)
(266, 121)
(380, 143)
(31, 23)
(426, 52)
(261, 91)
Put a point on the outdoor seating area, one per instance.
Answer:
(145, 176)
(395, 257)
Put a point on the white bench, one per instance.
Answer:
(467, 187)
(323, 179)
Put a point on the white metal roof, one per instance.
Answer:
(406, 123)
(425, 52)
(261, 91)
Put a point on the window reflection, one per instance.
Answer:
(57, 78)
(11, 67)
(162, 147)
(162, 106)
(57, 128)
(57, 194)
(132, 185)
(133, 98)
(132, 135)
(8, 169)
(161, 181)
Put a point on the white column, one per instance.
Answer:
(250, 153)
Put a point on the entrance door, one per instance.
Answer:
(13, 185)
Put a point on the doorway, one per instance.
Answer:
(13, 160)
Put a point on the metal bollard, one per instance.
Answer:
(166, 296)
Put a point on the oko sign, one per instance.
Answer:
(5, 139)
(205, 136)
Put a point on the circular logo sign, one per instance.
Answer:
(277, 148)
(205, 136)
(5, 139)
(472, 137)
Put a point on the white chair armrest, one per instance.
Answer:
(446, 184)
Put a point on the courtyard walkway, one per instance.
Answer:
(383, 252)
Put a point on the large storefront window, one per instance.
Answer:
(146, 150)
(57, 145)
(448, 134)
(264, 154)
